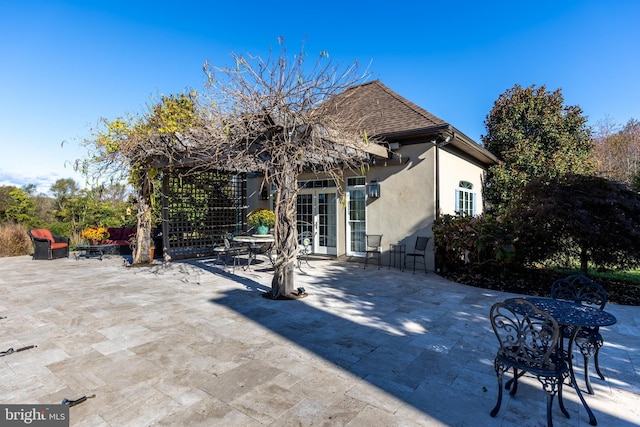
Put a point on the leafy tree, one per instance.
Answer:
(580, 217)
(29, 189)
(116, 192)
(62, 190)
(534, 135)
(108, 206)
(635, 181)
(44, 208)
(5, 200)
(22, 210)
(133, 149)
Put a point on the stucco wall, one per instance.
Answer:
(454, 167)
(406, 206)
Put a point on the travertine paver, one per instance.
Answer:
(191, 344)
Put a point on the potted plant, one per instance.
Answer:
(262, 220)
(95, 235)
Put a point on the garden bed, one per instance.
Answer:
(537, 282)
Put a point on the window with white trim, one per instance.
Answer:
(465, 199)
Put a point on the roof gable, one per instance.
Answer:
(385, 112)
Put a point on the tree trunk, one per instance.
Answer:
(584, 261)
(143, 234)
(286, 247)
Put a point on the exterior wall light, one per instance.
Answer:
(374, 189)
(264, 193)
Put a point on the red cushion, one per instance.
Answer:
(43, 233)
(58, 245)
(115, 233)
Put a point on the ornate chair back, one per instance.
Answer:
(528, 340)
(528, 337)
(581, 290)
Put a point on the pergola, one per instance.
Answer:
(198, 209)
(201, 205)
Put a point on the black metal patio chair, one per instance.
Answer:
(582, 290)
(228, 249)
(418, 252)
(529, 342)
(373, 248)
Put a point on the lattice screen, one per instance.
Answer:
(199, 209)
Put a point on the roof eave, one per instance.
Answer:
(440, 133)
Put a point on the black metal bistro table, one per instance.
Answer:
(568, 313)
(95, 251)
(397, 252)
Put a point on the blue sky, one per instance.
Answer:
(66, 64)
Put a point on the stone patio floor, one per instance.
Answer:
(190, 344)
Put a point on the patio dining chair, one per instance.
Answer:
(418, 252)
(528, 340)
(305, 248)
(582, 290)
(227, 249)
(373, 248)
(265, 249)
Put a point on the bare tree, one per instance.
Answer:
(617, 150)
(280, 117)
(276, 116)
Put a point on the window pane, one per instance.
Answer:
(465, 202)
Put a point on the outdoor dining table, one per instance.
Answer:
(254, 245)
(569, 313)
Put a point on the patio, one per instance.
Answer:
(191, 344)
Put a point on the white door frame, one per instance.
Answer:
(323, 225)
(356, 220)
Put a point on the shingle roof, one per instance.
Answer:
(384, 111)
(386, 115)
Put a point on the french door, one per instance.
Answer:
(317, 213)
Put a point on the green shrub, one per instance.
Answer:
(478, 245)
(14, 240)
(578, 217)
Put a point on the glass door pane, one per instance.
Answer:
(304, 214)
(356, 222)
(326, 241)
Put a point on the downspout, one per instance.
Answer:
(437, 148)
